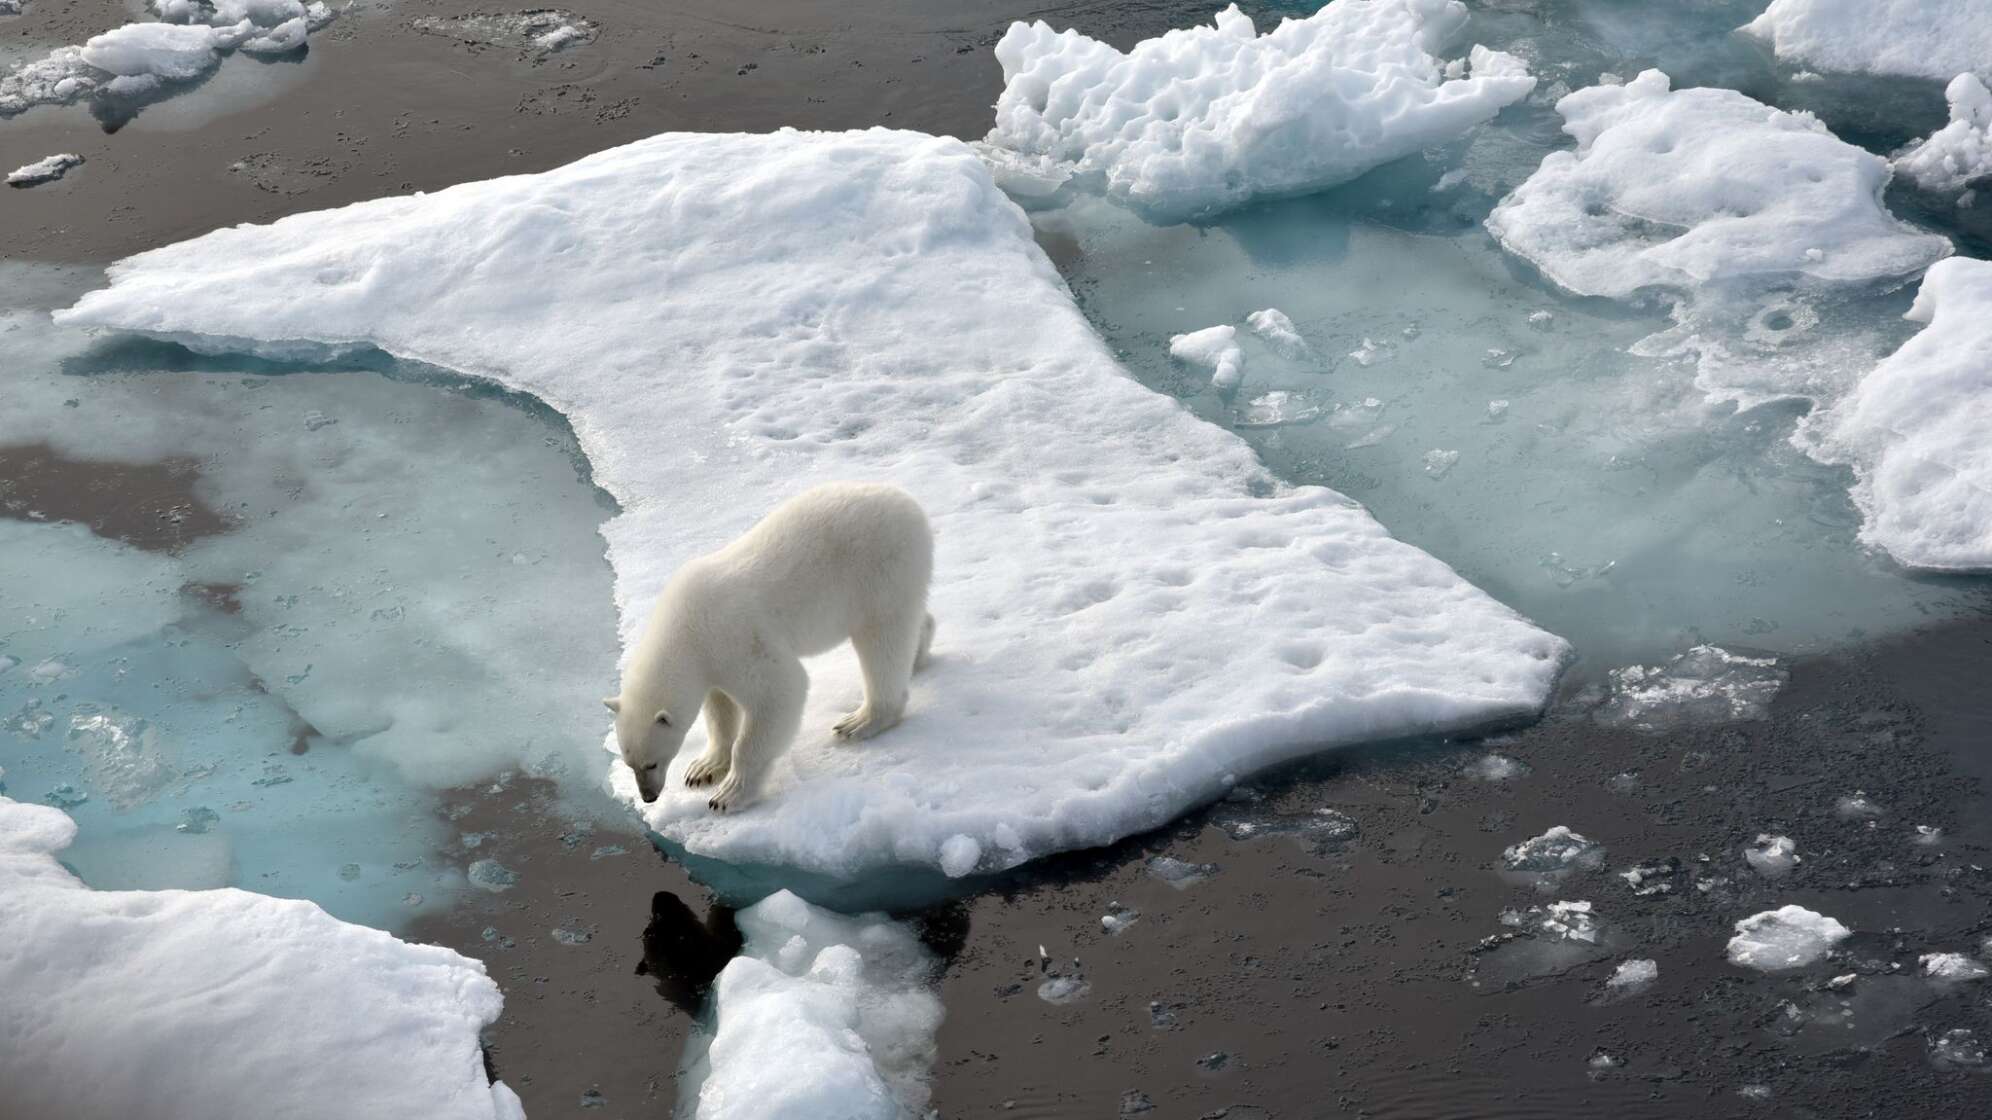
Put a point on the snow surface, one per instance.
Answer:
(1914, 429)
(821, 1015)
(1788, 937)
(45, 170)
(1915, 38)
(1206, 118)
(1952, 157)
(1685, 188)
(128, 1003)
(1216, 349)
(1133, 613)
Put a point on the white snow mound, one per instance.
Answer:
(1133, 613)
(1954, 156)
(1686, 188)
(1216, 349)
(1788, 937)
(196, 1004)
(1206, 118)
(1914, 429)
(1916, 38)
(821, 1015)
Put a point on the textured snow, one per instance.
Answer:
(1788, 937)
(1203, 119)
(821, 1015)
(45, 170)
(1952, 157)
(1133, 612)
(128, 1003)
(1916, 38)
(1914, 429)
(1685, 188)
(1216, 349)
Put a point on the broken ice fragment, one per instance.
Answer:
(1857, 806)
(1954, 967)
(1215, 349)
(1633, 975)
(1438, 461)
(1180, 874)
(197, 819)
(1707, 684)
(490, 875)
(1958, 1048)
(1118, 918)
(66, 796)
(1064, 989)
(1273, 325)
(1556, 851)
(1277, 408)
(1497, 768)
(573, 932)
(46, 170)
(1788, 937)
(1772, 856)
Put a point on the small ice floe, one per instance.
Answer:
(1497, 768)
(1497, 410)
(1316, 830)
(1180, 874)
(1632, 976)
(1773, 857)
(197, 820)
(1959, 1048)
(1370, 352)
(1117, 918)
(1069, 987)
(66, 796)
(960, 854)
(46, 170)
(1134, 1102)
(1216, 349)
(1960, 153)
(1927, 836)
(607, 851)
(1755, 1092)
(573, 931)
(1278, 331)
(1498, 358)
(1541, 319)
(1788, 937)
(1601, 1064)
(1439, 460)
(1278, 408)
(1554, 853)
(490, 875)
(1217, 1061)
(1559, 921)
(1926, 39)
(1858, 806)
(540, 31)
(1162, 1016)
(1707, 684)
(593, 1098)
(1953, 967)
(1653, 878)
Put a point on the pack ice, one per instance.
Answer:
(1203, 119)
(1133, 611)
(1914, 429)
(126, 1003)
(1914, 38)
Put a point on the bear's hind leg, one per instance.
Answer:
(722, 718)
(886, 653)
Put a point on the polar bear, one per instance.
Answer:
(845, 560)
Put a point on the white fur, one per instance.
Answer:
(845, 560)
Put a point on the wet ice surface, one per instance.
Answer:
(270, 705)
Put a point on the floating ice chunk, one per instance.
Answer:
(1953, 967)
(160, 51)
(1955, 155)
(1858, 806)
(1755, 1092)
(1788, 937)
(959, 855)
(821, 1015)
(1927, 836)
(1216, 349)
(45, 170)
(1273, 325)
(1916, 38)
(1773, 857)
(1117, 918)
(1913, 429)
(1440, 460)
(1180, 874)
(490, 875)
(1657, 877)
(1554, 852)
(1496, 409)
(1959, 1048)
(1070, 988)
(125, 1003)
(1497, 768)
(1632, 976)
(1370, 352)
(1686, 188)
(1278, 408)
(537, 31)
(1707, 684)
(994, 420)
(1203, 119)
(1318, 830)
(1559, 921)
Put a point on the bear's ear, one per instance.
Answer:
(612, 703)
(664, 718)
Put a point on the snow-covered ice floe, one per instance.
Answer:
(1133, 612)
(141, 61)
(1960, 153)
(1915, 38)
(821, 1015)
(1203, 119)
(1788, 937)
(128, 1003)
(1685, 188)
(45, 170)
(1914, 429)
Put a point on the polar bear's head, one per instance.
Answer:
(649, 740)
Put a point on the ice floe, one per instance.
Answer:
(1960, 153)
(1773, 857)
(534, 33)
(1707, 684)
(1953, 967)
(1633, 976)
(45, 170)
(1681, 189)
(1133, 611)
(1279, 332)
(1203, 119)
(1917, 38)
(1554, 852)
(1788, 937)
(821, 1015)
(1913, 429)
(1216, 349)
(127, 1003)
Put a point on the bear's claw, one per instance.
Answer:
(729, 795)
(706, 770)
(863, 724)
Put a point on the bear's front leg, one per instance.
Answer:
(722, 729)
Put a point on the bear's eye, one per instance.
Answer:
(649, 768)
